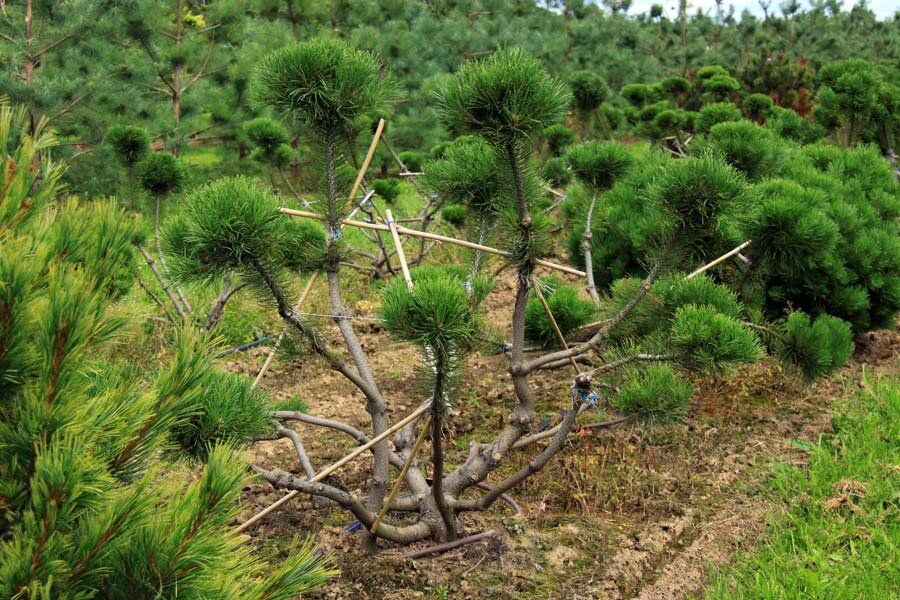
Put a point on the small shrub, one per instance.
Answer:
(131, 144)
(389, 189)
(412, 160)
(455, 214)
(589, 91)
(160, 174)
(655, 395)
(558, 138)
(713, 114)
(556, 172)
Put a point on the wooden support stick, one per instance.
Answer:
(337, 465)
(392, 225)
(274, 349)
(409, 461)
(365, 165)
(562, 338)
(724, 257)
(432, 236)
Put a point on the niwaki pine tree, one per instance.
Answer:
(90, 505)
(654, 329)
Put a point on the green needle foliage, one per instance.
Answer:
(815, 347)
(757, 106)
(599, 165)
(556, 171)
(271, 141)
(589, 91)
(324, 83)
(90, 508)
(558, 138)
(455, 214)
(654, 395)
(747, 147)
(569, 308)
(131, 144)
(160, 174)
(508, 98)
(466, 174)
(713, 114)
(234, 223)
(389, 189)
(708, 339)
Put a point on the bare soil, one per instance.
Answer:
(631, 512)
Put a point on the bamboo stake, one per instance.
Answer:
(409, 461)
(392, 225)
(274, 349)
(337, 465)
(724, 257)
(365, 165)
(562, 338)
(432, 236)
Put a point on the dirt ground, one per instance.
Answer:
(630, 512)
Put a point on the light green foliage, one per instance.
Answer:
(508, 98)
(455, 214)
(160, 174)
(816, 347)
(84, 435)
(388, 189)
(130, 143)
(713, 114)
(709, 340)
(814, 547)
(570, 310)
(747, 147)
(323, 82)
(599, 164)
(654, 395)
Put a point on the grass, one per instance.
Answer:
(839, 534)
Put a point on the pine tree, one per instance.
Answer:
(86, 508)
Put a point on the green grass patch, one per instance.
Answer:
(839, 535)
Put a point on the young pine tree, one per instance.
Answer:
(88, 508)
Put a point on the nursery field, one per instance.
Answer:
(408, 299)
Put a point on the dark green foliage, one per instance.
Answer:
(569, 308)
(719, 87)
(707, 339)
(412, 160)
(234, 224)
(160, 173)
(641, 94)
(130, 143)
(747, 147)
(757, 106)
(323, 82)
(816, 348)
(697, 189)
(713, 114)
(708, 72)
(599, 165)
(467, 174)
(789, 125)
(655, 395)
(303, 245)
(434, 314)
(455, 214)
(268, 136)
(589, 90)
(675, 86)
(508, 98)
(389, 189)
(556, 171)
(558, 138)
(233, 413)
